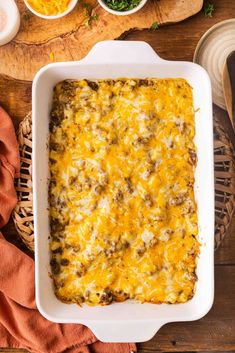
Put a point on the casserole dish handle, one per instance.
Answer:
(131, 52)
(128, 331)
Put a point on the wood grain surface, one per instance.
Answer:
(216, 331)
(41, 41)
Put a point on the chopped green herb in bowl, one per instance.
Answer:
(122, 7)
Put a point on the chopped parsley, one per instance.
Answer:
(209, 9)
(154, 26)
(27, 15)
(122, 5)
(90, 19)
(88, 13)
(86, 6)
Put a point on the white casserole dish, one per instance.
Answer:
(128, 321)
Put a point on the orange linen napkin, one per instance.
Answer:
(21, 325)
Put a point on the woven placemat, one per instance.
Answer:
(224, 183)
(224, 166)
(23, 212)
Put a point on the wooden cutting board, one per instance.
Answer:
(40, 42)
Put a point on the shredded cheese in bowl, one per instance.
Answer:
(49, 7)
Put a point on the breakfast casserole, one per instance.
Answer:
(123, 215)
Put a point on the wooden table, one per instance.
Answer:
(216, 331)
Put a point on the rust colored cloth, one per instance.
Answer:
(21, 325)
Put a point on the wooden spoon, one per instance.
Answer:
(229, 86)
(228, 80)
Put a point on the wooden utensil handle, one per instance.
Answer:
(231, 72)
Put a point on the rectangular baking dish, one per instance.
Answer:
(128, 321)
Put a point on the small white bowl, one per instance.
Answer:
(12, 23)
(122, 13)
(71, 6)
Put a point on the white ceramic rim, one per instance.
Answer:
(71, 6)
(122, 13)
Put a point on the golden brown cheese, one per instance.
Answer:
(122, 208)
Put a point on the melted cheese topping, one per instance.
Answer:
(122, 208)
